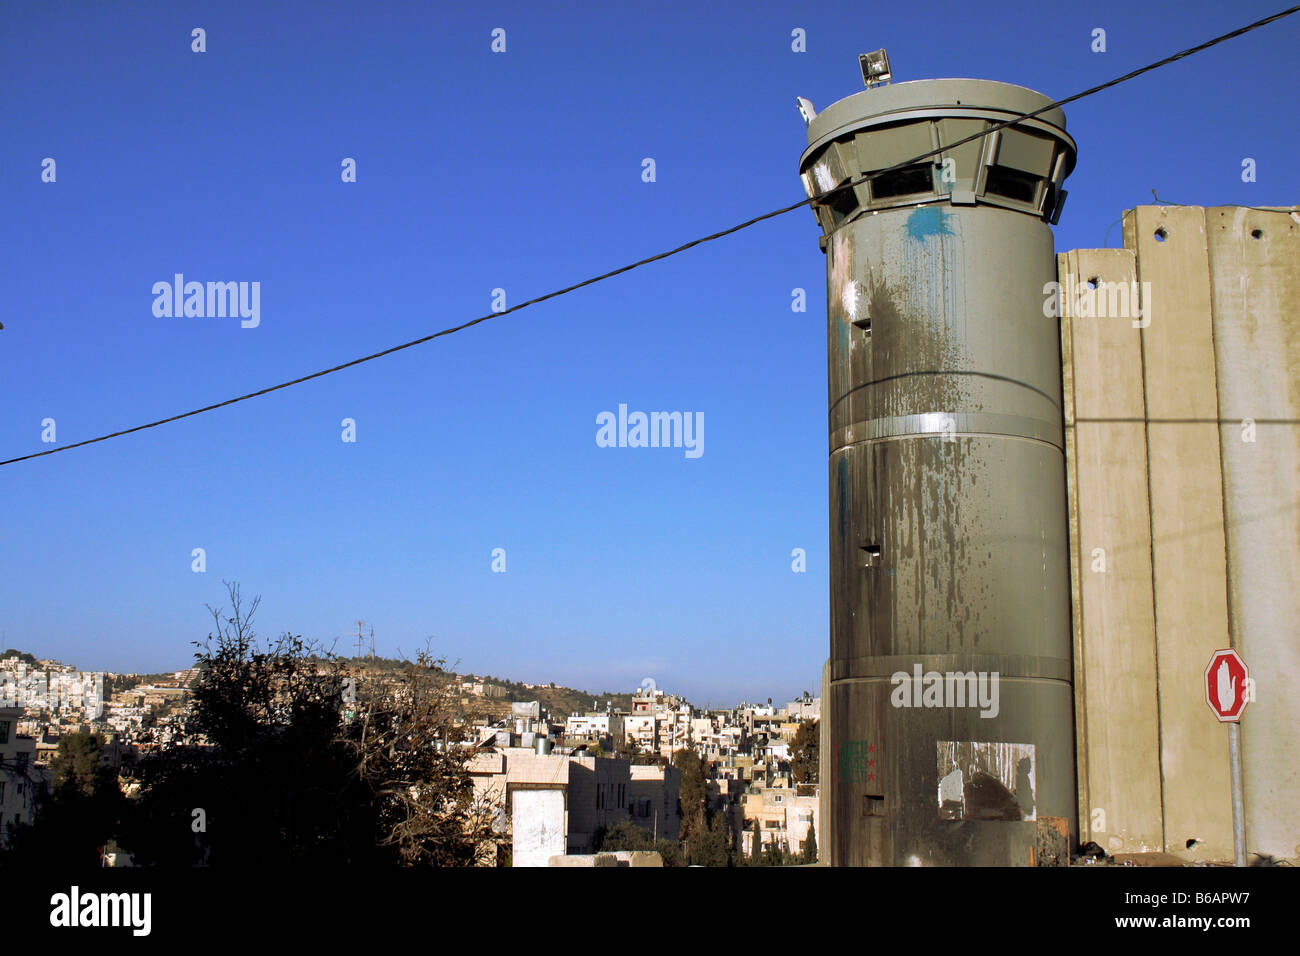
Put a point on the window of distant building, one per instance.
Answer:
(4, 731)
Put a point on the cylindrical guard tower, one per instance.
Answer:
(950, 710)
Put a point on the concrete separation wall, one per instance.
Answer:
(1182, 398)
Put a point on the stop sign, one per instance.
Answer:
(1225, 685)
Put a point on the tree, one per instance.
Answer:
(631, 749)
(624, 836)
(82, 812)
(804, 752)
(776, 854)
(300, 763)
(628, 836)
(693, 794)
(712, 845)
(810, 846)
(78, 764)
(265, 781)
(670, 852)
(756, 849)
(403, 742)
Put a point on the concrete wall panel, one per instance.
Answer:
(1114, 614)
(1188, 549)
(1255, 270)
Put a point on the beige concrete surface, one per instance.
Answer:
(1255, 275)
(1183, 466)
(1188, 550)
(1110, 520)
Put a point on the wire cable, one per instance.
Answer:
(1284, 210)
(821, 198)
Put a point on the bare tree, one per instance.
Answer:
(406, 739)
(245, 689)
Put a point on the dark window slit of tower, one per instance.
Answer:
(843, 203)
(1011, 184)
(907, 181)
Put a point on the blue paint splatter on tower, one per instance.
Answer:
(928, 221)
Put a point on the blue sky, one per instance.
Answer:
(477, 171)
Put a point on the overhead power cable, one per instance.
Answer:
(821, 198)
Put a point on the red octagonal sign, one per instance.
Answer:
(1225, 685)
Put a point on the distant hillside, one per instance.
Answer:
(561, 701)
(381, 664)
(128, 681)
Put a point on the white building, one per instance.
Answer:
(61, 691)
(806, 707)
(595, 726)
(552, 804)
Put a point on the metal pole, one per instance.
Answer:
(1238, 809)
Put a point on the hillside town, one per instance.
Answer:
(557, 784)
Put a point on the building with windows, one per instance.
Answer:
(654, 800)
(20, 778)
(552, 804)
(785, 816)
(598, 726)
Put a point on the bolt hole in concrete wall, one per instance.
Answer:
(1094, 282)
(1161, 234)
(1257, 233)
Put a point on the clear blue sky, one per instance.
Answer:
(476, 171)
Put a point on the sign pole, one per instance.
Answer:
(1238, 809)
(1228, 689)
